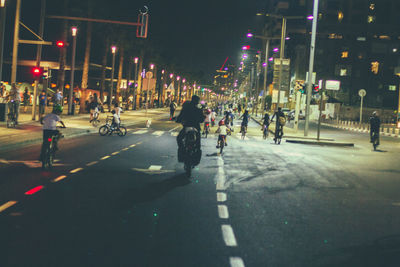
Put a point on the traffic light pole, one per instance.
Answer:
(15, 43)
(71, 89)
(2, 27)
(281, 56)
(311, 66)
(38, 57)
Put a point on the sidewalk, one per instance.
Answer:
(30, 132)
(292, 136)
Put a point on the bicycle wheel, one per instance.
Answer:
(188, 169)
(103, 130)
(121, 131)
(265, 134)
(95, 122)
(221, 145)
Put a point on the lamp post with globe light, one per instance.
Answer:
(2, 27)
(74, 31)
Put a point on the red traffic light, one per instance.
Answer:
(60, 44)
(37, 72)
(246, 47)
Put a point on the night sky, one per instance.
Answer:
(198, 34)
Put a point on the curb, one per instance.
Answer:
(319, 143)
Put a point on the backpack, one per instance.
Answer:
(282, 120)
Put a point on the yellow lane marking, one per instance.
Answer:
(76, 170)
(105, 157)
(132, 145)
(115, 153)
(125, 149)
(7, 205)
(92, 163)
(59, 178)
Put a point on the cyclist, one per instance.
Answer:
(280, 122)
(94, 107)
(375, 125)
(50, 127)
(14, 98)
(266, 121)
(190, 116)
(245, 121)
(223, 129)
(207, 120)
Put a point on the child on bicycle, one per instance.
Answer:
(116, 121)
(223, 130)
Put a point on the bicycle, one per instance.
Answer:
(375, 140)
(49, 150)
(109, 129)
(265, 131)
(278, 135)
(95, 120)
(11, 118)
(221, 143)
(206, 129)
(243, 130)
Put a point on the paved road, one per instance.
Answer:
(115, 201)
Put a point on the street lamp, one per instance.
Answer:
(71, 110)
(2, 26)
(113, 51)
(151, 66)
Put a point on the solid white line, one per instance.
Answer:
(105, 157)
(115, 153)
(173, 129)
(236, 262)
(155, 167)
(223, 212)
(59, 178)
(76, 170)
(221, 197)
(228, 235)
(7, 205)
(92, 163)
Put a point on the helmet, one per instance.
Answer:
(221, 122)
(374, 113)
(208, 111)
(57, 108)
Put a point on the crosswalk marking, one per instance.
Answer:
(155, 167)
(174, 133)
(158, 133)
(140, 132)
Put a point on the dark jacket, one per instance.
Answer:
(190, 116)
(375, 123)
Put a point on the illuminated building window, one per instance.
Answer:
(371, 19)
(375, 67)
(335, 36)
(345, 54)
(343, 72)
(392, 87)
(362, 39)
(384, 37)
(340, 16)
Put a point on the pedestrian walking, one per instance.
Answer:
(42, 104)
(14, 101)
(26, 98)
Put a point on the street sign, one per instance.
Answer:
(362, 92)
(332, 85)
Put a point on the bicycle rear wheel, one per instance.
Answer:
(122, 131)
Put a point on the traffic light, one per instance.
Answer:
(37, 72)
(60, 44)
(315, 89)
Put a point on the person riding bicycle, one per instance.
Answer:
(50, 127)
(14, 101)
(207, 120)
(190, 116)
(94, 107)
(116, 120)
(280, 122)
(245, 120)
(223, 129)
(266, 121)
(375, 125)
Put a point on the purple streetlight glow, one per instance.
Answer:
(271, 59)
(249, 35)
(287, 38)
(311, 17)
(245, 56)
(276, 49)
(264, 64)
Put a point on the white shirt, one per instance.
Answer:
(222, 130)
(116, 118)
(118, 111)
(208, 118)
(50, 121)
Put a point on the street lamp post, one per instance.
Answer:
(15, 43)
(136, 61)
(311, 66)
(2, 27)
(113, 51)
(71, 89)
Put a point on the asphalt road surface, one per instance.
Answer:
(124, 201)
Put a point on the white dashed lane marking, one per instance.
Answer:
(236, 262)
(223, 212)
(228, 235)
(173, 129)
(155, 167)
(140, 132)
(174, 133)
(158, 133)
(221, 197)
(7, 205)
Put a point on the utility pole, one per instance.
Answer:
(311, 66)
(281, 57)
(38, 57)
(113, 51)
(16, 42)
(71, 107)
(2, 29)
